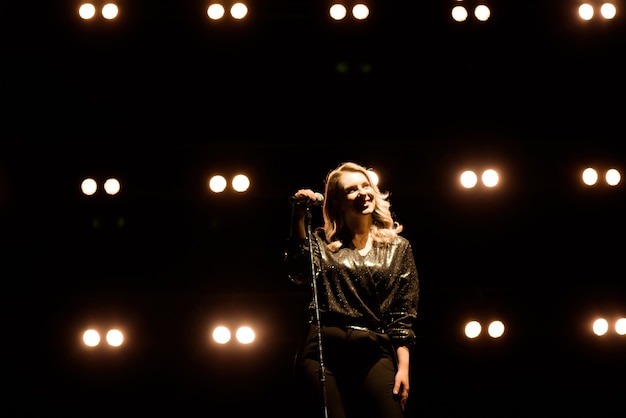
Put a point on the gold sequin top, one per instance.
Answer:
(378, 291)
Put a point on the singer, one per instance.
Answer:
(354, 358)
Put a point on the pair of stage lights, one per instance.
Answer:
(113, 337)
(490, 178)
(473, 329)
(587, 11)
(218, 183)
(111, 186)
(88, 11)
(590, 176)
(601, 326)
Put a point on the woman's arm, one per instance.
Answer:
(401, 387)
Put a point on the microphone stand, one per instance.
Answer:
(316, 306)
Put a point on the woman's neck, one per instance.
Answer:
(360, 233)
(359, 226)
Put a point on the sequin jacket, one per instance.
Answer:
(378, 291)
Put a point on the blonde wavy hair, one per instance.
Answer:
(384, 227)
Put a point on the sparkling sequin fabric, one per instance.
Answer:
(378, 291)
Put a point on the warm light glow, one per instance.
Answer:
(241, 183)
(114, 337)
(472, 329)
(482, 12)
(337, 11)
(239, 11)
(496, 329)
(221, 335)
(490, 178)
(112, 186)
(469, 179)
(620, 326)
(608, 11)
(360, 11)
(600, 326)
(110, 11)
(89, 186)
(613, 177)
(217, 184)
(459, 13)
(590, 176)
(91, 338)
(585, 11)
(87, 11)
(245, 335)
(215, 11)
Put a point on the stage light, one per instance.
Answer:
(482, 13)
(110, 11)
(240, 183)
(239, 11)
(473, 329)
(608, 11)
(89, 186)
(215, 11)
(91, 338)
(495, 329)
(245, 335)
(114, 337)
(590, 176)
(338, 11)
(112, 186)
(613, 177)
(600, 326)
(360, 11)
(87, 11)
(217, 184)
(221, 335)
(585, 11)
(469, 179)
(490, 178)
(459, 14)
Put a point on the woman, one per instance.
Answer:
(364, 301)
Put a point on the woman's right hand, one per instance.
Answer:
(301, 196)
(299, 205)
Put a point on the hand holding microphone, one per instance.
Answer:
(307, 197)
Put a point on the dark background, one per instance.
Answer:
(162, 99)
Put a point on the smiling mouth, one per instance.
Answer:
(364, 204)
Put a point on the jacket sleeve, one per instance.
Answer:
(297, 260)
(402, 312)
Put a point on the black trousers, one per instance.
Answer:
(360, 367)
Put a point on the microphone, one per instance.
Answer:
(304, 200)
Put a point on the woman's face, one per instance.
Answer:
(357, 195)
